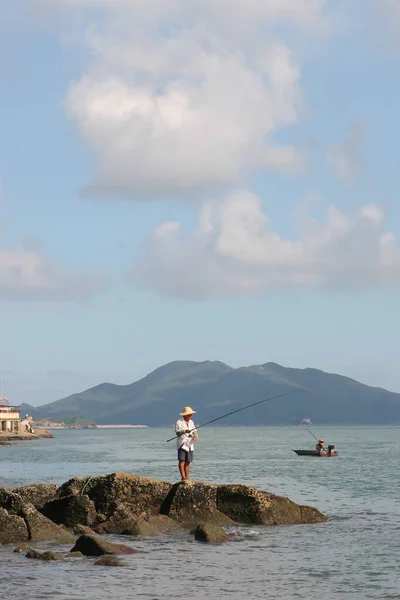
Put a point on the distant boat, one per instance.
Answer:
(91, 425)
(305, 421)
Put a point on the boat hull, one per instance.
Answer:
(315, 453)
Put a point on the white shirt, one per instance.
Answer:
(185, 441)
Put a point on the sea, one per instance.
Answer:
(355, 555)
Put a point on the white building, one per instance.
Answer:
(9, 417)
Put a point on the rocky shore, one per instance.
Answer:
(132, 506)
(23, 436)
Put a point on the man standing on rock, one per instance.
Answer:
(186, 436)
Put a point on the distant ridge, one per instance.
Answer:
(214, 388)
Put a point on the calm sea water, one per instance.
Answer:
(355, 556)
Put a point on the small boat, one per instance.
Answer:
(330, 452)
(305, 421)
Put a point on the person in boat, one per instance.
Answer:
(320, 447)
(186, 436)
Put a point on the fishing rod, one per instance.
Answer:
(239, 409)
(313, 435)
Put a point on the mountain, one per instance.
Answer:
(213, 388)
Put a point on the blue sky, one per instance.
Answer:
(177, 183)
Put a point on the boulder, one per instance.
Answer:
(246, 504)
(75, 555)
(92, 545)
(127, 503)
(42, 529)
(73, 486)
(211, 533)
(121, 519)
(157, 525)
(10, 501)
(22, 548)
(48, 555)
(71, 510)
(38, 494)
(193, 502)
(32, 553)
(100, 518)
(83, 530)
(112, 526)
(12, 528)
(137, 494)
(21, 521)
(109, 561)
(43, 433)
(309, 514)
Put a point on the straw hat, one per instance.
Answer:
(187, 411)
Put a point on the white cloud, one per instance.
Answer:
(236, 250)
(183, 96)
(26, 274)
(346, 158)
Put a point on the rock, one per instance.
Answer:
(121, 519)
(38, 494)
(111, 527)
(73, 486)
(48, 555)
(126, 503)
(100, 518)
(22, 548)
(194, 502)
(109, 561)
(10, 501)
(211, 533)
(70, 510)
(137, 494)
(21, 521)
(24, 435)
(246, 504)
(12, 528)
(309, 514)
(133, 505)
(92, 545)
(156, 525)
(75, 555)
(83, 530)
(42, 529)
(125, 523)
(32, 553)
(43, 433)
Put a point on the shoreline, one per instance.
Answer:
(22, 436)
(58, 427)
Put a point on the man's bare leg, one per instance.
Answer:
(187, 469)
(182, 469)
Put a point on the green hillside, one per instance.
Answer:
(214, 388)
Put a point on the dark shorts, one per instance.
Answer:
(184, 455)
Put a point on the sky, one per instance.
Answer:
(197, 180)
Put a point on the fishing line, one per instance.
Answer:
(313, 435)
(243, 408)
